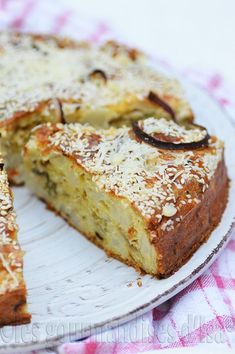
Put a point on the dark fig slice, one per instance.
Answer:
(152, 97)
(59, 109)
(98, 74)
(168, 142)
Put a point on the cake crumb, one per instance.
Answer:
(139, 282)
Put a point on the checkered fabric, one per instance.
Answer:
(204, 312)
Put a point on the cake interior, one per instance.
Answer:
(15, 133)
(110, 222)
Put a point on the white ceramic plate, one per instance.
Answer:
(74, 289)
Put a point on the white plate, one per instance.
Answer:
(74, 289)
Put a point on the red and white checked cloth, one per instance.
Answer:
(205, 311)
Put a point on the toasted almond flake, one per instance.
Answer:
(169, 210)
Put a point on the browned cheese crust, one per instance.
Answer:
(177, 246)
(13, 308)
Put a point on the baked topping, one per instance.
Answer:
(172, 136)
(152, 179)
(35, 70)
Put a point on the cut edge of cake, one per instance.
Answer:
(13, 303)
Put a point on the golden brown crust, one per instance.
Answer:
(175, 247)
(13, 308)
(61, 42)
(10, 122)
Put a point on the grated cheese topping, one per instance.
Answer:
(161, 184)
(10, 253)
(174, 130)
(34, 70)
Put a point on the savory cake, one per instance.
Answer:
(13, 309)
(148, 195)
(44, 78)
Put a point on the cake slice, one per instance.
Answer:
(47, 79)
(150, 207)
(13, 308)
